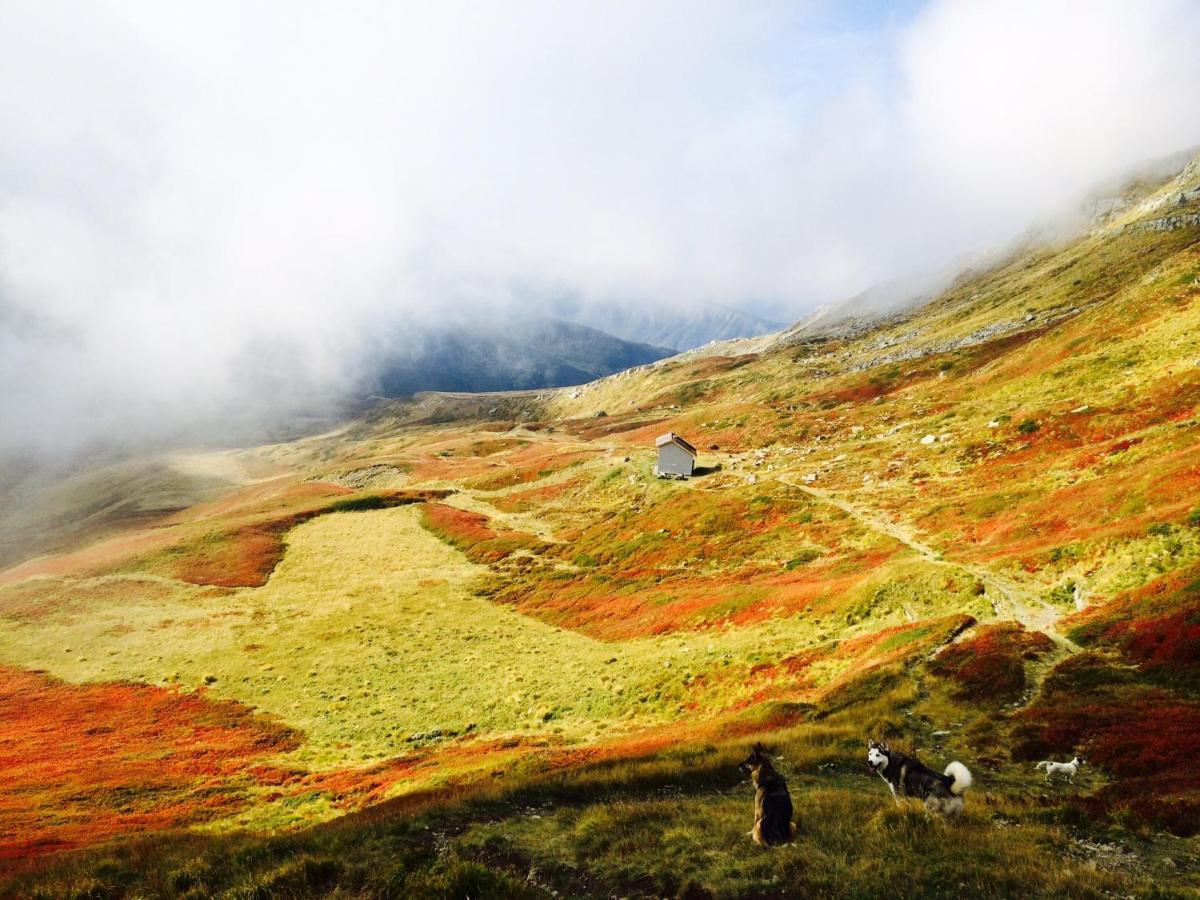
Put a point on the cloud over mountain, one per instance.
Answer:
(197, 202)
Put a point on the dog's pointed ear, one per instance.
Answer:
(758, 747)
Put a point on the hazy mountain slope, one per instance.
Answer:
(513, 355)
(50, 507)
(1160, 179)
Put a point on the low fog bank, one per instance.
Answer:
(221, 220)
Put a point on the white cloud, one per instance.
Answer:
(1018, 108)
(183, 186)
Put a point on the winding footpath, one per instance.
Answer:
(1008, 598)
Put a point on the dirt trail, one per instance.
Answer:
(1008, 598)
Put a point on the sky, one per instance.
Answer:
(218, 208)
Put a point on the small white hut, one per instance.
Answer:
(676, 457)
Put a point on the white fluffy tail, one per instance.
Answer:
(962, 778)
(1044, 763)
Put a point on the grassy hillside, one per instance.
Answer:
(469, 646)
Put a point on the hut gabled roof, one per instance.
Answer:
(672, 438)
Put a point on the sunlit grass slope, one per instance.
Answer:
(673, 823)
(370, 642)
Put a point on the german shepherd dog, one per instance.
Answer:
(773, 823)
(906, 776)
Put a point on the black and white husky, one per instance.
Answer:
(906, 776)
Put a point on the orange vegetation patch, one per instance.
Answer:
(83, 763)
(471, 533)
(1156, 627)
(990, 665)
(1144, 737)
(637, 609)
(698, 559)
(1160, 487)
(244, 557)
(639, 603)
(535, 498)
(458, 526)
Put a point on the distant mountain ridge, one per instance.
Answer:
(523, 354)
(682, 326)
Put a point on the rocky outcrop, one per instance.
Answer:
(979, 336)
(1163, 223)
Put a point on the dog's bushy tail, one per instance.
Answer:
(1044, 762)
(962, 778)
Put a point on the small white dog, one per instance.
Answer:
(1070, 769)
